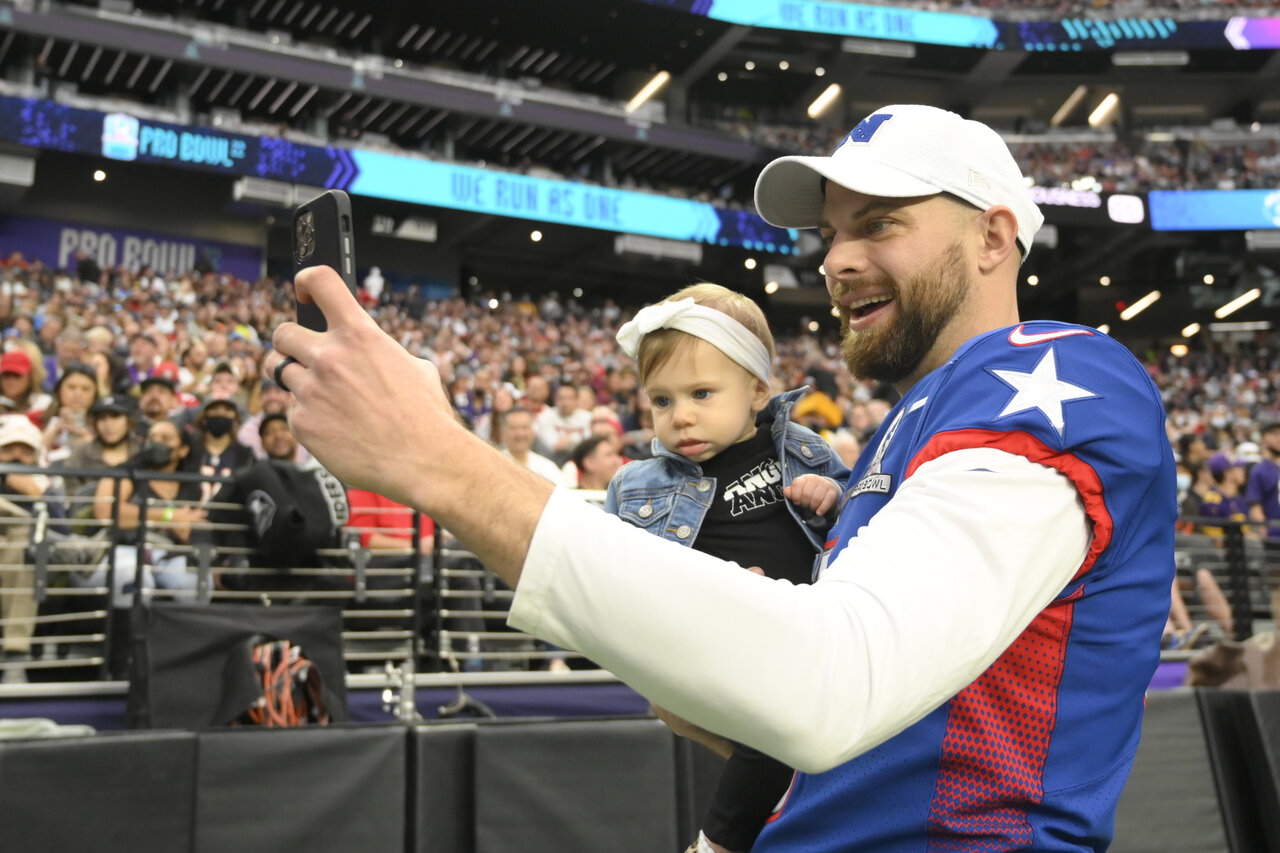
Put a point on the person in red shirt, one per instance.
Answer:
(385, 525)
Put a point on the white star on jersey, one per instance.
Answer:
(1041, 389)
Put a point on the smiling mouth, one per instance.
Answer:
(869, 308)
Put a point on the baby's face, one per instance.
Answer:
(703, 402)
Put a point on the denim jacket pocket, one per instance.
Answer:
(645, 508)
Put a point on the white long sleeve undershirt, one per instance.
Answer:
(916, 606)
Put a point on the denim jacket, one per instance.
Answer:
(669, 497)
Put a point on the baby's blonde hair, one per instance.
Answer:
(660, 346)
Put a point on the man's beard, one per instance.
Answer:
(893, 351)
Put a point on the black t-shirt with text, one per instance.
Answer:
(748, 521)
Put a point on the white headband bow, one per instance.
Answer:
(715, 327)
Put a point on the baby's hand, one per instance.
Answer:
(813, 492)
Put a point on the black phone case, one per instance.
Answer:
(323, 236)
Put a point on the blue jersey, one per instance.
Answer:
(1034, 753)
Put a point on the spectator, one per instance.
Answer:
(517, 439)
(158, 402)
(384, 525)
(560, 428)
(273, 400)
(65, 422)
(218, 452)
(20, 379)
(291, 512)
(1262, 492)
(1224, 500)
(224, 384)
(595, 460)
(144, 355)
(22, 496)
(113, 443)
(70, 348)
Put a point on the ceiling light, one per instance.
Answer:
(1141, 305)
(1208, 279)
(749, 263)
(750, 66)
(1190, 330)
(722, 76)
(822, 270)
(493, 304)
(1147, 58)
(1105, 281)
(819, 71)
(825, 100)
(1104, 328)
(1102, 113)
(770, 287)
(399, 63)
(1178, 350)
(1239, 302)
(783, 65)
(1033, 280)
(99, 175)
(871, 47)
(650, 89)
(813, 325)
(577, 293)
(1068, 106)
(535, 236)
(835, 312)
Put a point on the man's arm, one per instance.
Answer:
(926, 597)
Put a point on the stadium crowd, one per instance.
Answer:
(1173, 160)
(104, 368)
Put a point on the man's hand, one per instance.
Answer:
(377, 418)
(813, 492)
(364, 403)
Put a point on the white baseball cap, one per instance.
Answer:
(18, 429)
(903, 151)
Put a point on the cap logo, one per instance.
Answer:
(866, 129)
(976, 180)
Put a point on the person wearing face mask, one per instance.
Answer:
(220, 452)
(171, 511)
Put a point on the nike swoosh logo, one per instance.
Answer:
(1018, 339)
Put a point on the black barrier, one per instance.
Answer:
(1204, 779)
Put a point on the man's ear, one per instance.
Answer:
(761, 397)
(998, 237)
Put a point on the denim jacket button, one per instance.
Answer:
(683, 531)
(805, 451)
(703, 485)
(645, 511)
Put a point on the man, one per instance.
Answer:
(69, 348)
(158, 400)
(291, 511)
(21, 496)
(560, 427)
(274, 401)
(596, 460)
(1007, 538)
(517, 443)
(1225, 500)
(1262, 492)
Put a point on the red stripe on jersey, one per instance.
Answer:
(1086, 480)
(997, 740)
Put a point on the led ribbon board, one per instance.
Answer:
(956, 30)
(119, 136)
(1214, 210)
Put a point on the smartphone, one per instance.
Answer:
(323, 236)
